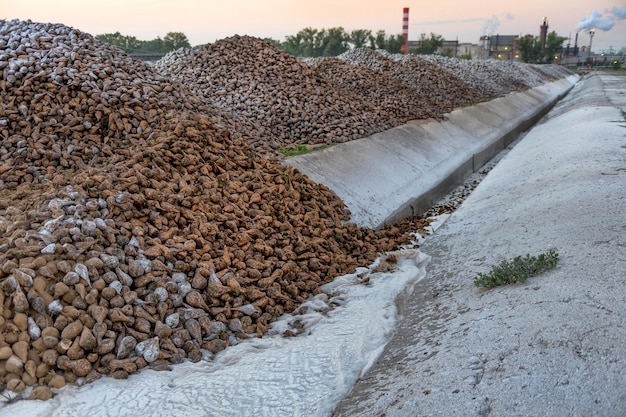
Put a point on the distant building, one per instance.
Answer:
(570, 50)
(451, 49)
(490, 47)
(500, 47)
(448, 48)
(471, 50)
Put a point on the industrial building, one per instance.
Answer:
(505, 47)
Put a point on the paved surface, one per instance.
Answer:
(553, 346)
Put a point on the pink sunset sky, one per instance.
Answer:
(205, 21)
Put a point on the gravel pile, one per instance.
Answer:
(331, 100)
(494, 78)
(490, 78)
(135, 228)
(433, 82)
(551, 72)
(140, 224)
(399, 100)
(287, 100)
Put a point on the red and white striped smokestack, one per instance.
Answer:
(405, 29)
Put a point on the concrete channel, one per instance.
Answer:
(404, 171)
(552, 345)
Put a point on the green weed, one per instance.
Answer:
(299, 150)
(517, 270)
(302, 149)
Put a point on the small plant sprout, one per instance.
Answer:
(517, 270)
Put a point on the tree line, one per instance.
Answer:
(532, 52)
(130, 44)
(310, 42)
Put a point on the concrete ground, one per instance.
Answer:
(554, 345)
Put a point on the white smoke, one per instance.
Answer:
(619, 13)
(597, 21)
(491, 25)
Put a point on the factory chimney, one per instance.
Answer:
(543, 33)
(405, 30)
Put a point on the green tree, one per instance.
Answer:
(310, 38)
(294, 44)
(133, 44)
(380, 41)
(311, 42)
(115, 39)
(554, 45)
(372, 41)
(360, 37)
(155, 45)
(335, 41)
(175, 40)
(172, 41)
(429, 46)
(127, 43)
(394, 44)
(529, 48)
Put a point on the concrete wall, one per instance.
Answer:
(404, 171)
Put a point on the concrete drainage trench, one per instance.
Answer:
(406, 170)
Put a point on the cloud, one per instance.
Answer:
(490, 24)
(596, 21)
(447, 22)
(619, 13)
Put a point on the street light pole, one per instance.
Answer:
(591, 33)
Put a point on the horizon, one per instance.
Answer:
(208, 21)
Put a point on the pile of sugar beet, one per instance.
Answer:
(145, 218)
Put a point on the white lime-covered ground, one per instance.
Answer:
(554, 345)
(273, 376)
